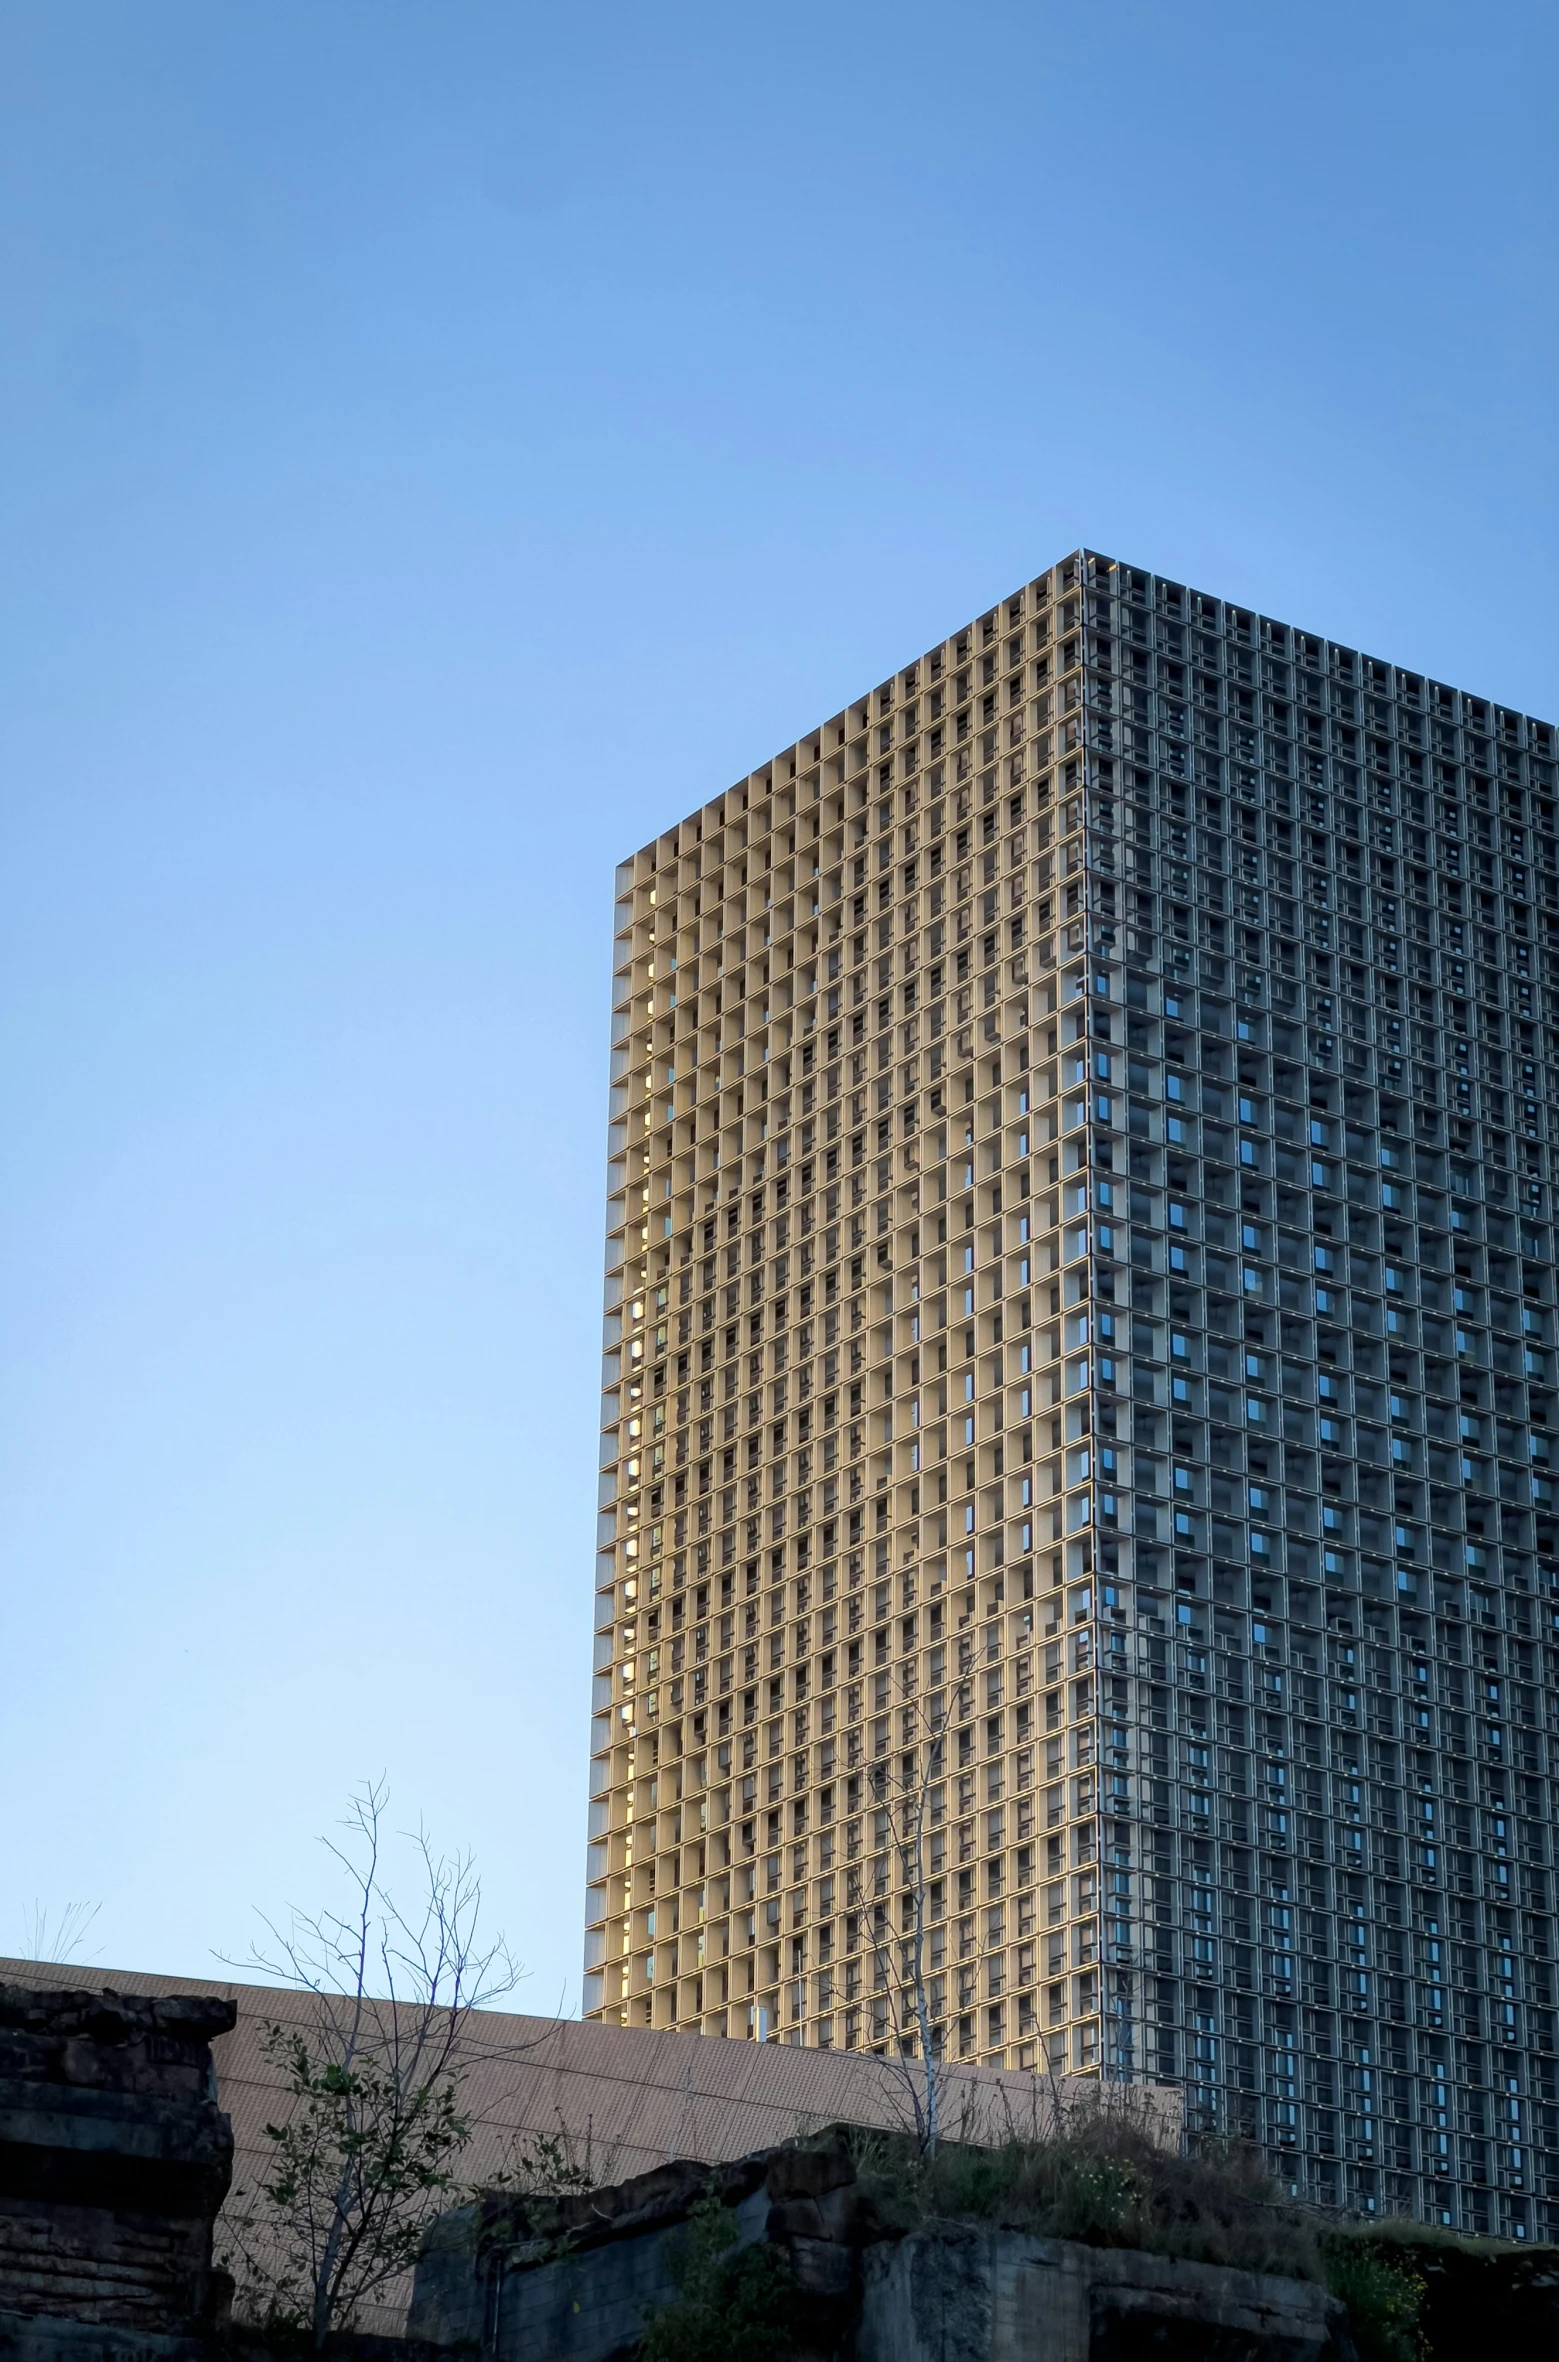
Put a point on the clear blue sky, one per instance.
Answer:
(440, 445)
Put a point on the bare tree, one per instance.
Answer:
(369, 2150)
(906, 1793)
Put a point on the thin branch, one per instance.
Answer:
(369, 2150)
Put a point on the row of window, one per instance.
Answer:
(1294, 700)
(1395, 853)
(1280, 1228)
(1209, 680)
(1474, 1036)
(790, 1623)
(1321, 832)
(658, 1440)
(1150, 1048)
(1446, 1836)
(1097, 596)
(1441, 889)
(1462, 1018)
(1505, 1715)
(1264, 735)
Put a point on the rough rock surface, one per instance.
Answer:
(114, 2158)
(963, 2292)
(572, 2280)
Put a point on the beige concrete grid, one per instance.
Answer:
(843, 1442)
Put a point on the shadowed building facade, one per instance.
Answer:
(1079, 1353)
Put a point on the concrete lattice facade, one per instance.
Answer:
(1081, 1287)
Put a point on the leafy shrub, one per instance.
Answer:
(1384, 2300)
(733, 2304)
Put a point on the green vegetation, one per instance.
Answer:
(1385, 2301)
(1430, 2240)
(1104, 2178)
(352, 2177)
(560, 2164)
(733, 2304)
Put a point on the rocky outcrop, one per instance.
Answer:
(964, 2292)
(574, 2279)
(114, 2158)
(578, 2276)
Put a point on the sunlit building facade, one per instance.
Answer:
(1080, 1352)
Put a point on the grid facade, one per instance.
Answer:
(1080, 1355)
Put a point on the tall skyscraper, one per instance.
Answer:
(1080, 1361)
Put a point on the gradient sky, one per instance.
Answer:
(439, 446)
